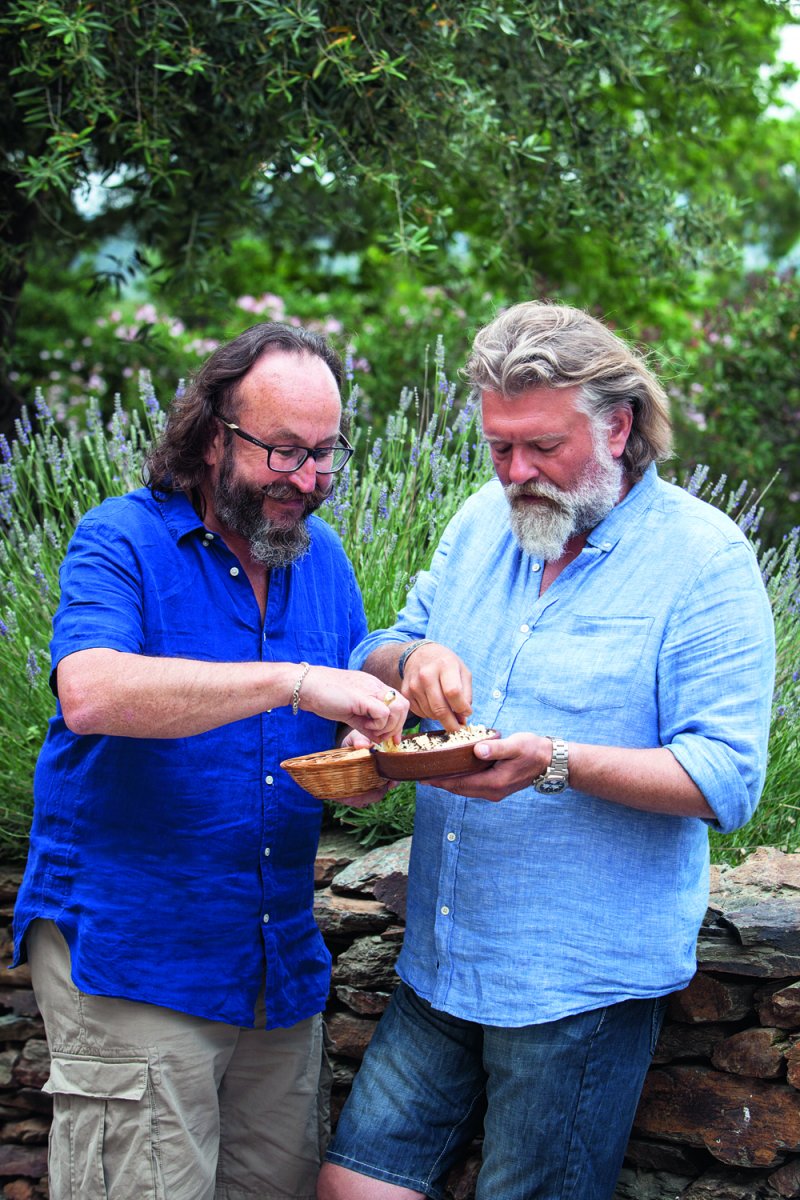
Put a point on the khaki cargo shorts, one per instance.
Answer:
(152, 1104)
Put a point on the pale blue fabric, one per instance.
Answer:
(658, 634)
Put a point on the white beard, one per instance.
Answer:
(543, 530)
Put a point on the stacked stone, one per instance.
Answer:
(720, 1111)
(360, 907)
(719, 1117)
(24, 1066)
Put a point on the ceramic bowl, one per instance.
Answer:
(440, 761)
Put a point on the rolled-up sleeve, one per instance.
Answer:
(716, 675)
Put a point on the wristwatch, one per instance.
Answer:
(556, 777)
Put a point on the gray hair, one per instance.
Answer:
(538, 344)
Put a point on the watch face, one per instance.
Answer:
(550, 786)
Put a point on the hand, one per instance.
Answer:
(439, 686)
(354, 698)
(517, 760)
(363, 799)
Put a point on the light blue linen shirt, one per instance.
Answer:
(658, 634)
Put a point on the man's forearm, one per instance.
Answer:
(131, 695)
(650, 780)
(383, 663)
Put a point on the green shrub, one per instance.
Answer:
(80, 347)
(405, 482)
(737, 404)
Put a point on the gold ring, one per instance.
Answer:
(390, 696)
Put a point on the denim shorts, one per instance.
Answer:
(556, 1101)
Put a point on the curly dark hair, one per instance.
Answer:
(176, 463)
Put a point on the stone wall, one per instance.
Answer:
(719, 1118)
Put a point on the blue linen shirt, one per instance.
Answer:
(658, 634)
(181, 871)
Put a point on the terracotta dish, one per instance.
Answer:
(436, 755)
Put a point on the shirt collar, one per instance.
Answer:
(631, 506)
(179, 516)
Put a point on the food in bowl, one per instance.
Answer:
(433, 755)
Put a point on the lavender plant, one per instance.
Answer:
(48, 479)
(390, 509)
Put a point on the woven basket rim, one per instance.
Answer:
(335, 774)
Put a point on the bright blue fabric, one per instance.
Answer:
(159, 859)
(658, 634)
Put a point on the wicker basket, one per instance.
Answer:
(335, 774)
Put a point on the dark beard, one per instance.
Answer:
(240, 508)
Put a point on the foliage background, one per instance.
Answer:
(620, 153)
(390, 506)
(391, 174)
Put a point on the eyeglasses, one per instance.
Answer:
(286, 459)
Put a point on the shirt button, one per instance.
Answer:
(536, 566)
(234, 571)
(606, 546)
(451, 837)
(267, 852)
(524, 628)
(266, 918)
(269, 779)
(444, 910)
(497, 693)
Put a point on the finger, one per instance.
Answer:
(355, 740)
(432, 702)
(474, 787)
(364, 799)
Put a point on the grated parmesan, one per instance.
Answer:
(426, 741)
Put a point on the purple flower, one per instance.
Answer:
(147, 392)
(43, 414)
(39, 576)
(32, 668)
(367, 531)
(5, 449)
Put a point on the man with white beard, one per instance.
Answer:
(617, 633)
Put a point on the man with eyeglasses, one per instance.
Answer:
(202, 636)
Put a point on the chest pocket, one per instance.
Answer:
(592, 663)
(320, 647)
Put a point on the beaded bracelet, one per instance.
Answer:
(305, 668)
(409, 650)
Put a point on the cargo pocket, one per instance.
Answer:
(103, 1143)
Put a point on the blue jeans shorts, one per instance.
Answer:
(556, 1101)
